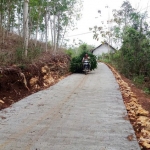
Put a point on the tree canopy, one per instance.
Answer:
(129, 30)
(45, 17)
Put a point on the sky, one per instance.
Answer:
(91, 17)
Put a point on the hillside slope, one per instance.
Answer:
(20, 77)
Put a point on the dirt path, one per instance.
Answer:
(81, 112)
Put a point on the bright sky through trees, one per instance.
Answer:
(91, 17)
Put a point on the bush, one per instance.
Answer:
(146, 90)
(139, 80)
(76, 62)
(70, 52)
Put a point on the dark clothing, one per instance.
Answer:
(86, 59)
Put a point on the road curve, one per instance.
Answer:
(81, 112)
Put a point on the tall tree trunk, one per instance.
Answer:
(54, 30)
(25, 26)
(20, 16)
(37, 27)
(3, 30)
(36, 35)
(46, 22)
(1, 15)
(19, 24)
(65, 30)
(42, 36)
(58, 32)
(62, 40)
(8, 15)
(30, 27)
(51, 28)
(12, 27)
(141, 23)
(1, 25)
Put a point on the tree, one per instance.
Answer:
(32, 19)
(131, 29)
(25, 26)
(62, 15)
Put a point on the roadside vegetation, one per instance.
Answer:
(130, 31)
(29, 22)
(33, 44)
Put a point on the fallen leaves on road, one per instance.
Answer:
(138, 116)
(130, 137)
(2, 117)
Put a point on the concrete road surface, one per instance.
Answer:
(81, 112)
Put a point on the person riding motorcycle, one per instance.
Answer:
(86, 58)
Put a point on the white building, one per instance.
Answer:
(103, 48)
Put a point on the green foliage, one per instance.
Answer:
(138, 80)
(19, 54)
(62, 14)
(85, 47)
(78, 50)
(135, 53)
(146, 90)
(132, 32)
(33, 53)
(70, 52)
(104, 58)
(22, 66)
(76, 62)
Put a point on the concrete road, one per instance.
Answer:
(81, 112)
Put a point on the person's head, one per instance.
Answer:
(86, 55)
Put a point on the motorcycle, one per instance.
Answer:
(86, 66)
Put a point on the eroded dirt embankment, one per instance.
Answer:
(19, 81)
(138, 116)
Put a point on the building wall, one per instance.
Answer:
(102, 49)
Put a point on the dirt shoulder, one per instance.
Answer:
(143, 98)
(19, 81)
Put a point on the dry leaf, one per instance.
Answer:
(148, 126)
(145, 144)
(142, 112)
(1, 101)
(126, 117)
(2, 117)
(130, 137)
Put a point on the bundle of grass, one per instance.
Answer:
(76, 62)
